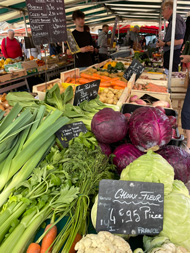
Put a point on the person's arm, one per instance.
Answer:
(3, 49)
(162, 43)
(185, 58)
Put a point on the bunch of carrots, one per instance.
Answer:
(48, 240)
(106, 82)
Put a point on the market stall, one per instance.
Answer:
(56, 180)
(91, 161)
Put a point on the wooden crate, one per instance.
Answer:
(43, 86)
(177, 104)
(158, 95)
(70, 73)
(157, 82)
(153, 76)
(179, 85)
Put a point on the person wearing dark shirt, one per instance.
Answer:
(167, 12)
(84, 41)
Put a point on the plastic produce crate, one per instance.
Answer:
(130, 108)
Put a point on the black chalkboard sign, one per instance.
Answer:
(47, 21)
(70, 131)
(71, 42)
(86, 91)
(135, 68)
(127, 207)
(29, 42)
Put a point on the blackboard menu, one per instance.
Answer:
(86, 91)
(71, 42)
(70, 131)
(135, 68)
(29, 42)
(128, 207)
(47, 21)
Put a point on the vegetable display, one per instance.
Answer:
(179, 160)
(109, 126)
(102, 242)
(149, 128)
(49, 193)
(176, 215)
(150, 168)
(124, 155)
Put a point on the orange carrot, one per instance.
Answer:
(83, 80)
(77, 239)
(68, 80)
(106, 78)
(86, 76)
(115, 79)
(96, 75)
(105, 85)
(119, 83)
(118, 87)
(48, 238)
(33, 248)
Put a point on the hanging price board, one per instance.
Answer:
(47, 21)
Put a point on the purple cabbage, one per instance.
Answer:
(105, 148)
(109, 126)
(179, 159)
(124, 155)
(149, 128)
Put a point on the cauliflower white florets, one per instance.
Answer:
(101, 243)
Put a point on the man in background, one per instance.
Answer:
(103, 43)
(167, 12)
(84, 41)
(10, 46)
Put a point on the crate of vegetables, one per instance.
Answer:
(151, 76)
(40, 89)
(150, 98)
(179, 81)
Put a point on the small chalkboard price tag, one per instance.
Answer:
(70, 131)
(87, 91)
(128, 207)
(71, 42)
(135, 68)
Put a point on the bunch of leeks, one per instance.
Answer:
(25, 138)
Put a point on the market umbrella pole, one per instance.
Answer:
(172, 44)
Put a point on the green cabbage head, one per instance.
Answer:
(177, 219)
(179, 187)
(150, 167)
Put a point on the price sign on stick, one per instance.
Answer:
(47, 21)
(127, 207)
(70, 131)
(86, 91)
(135, 68)
(71, 42)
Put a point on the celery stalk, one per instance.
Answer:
(15, 215)
(5, 214)
(31, 229)
(8, 245)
